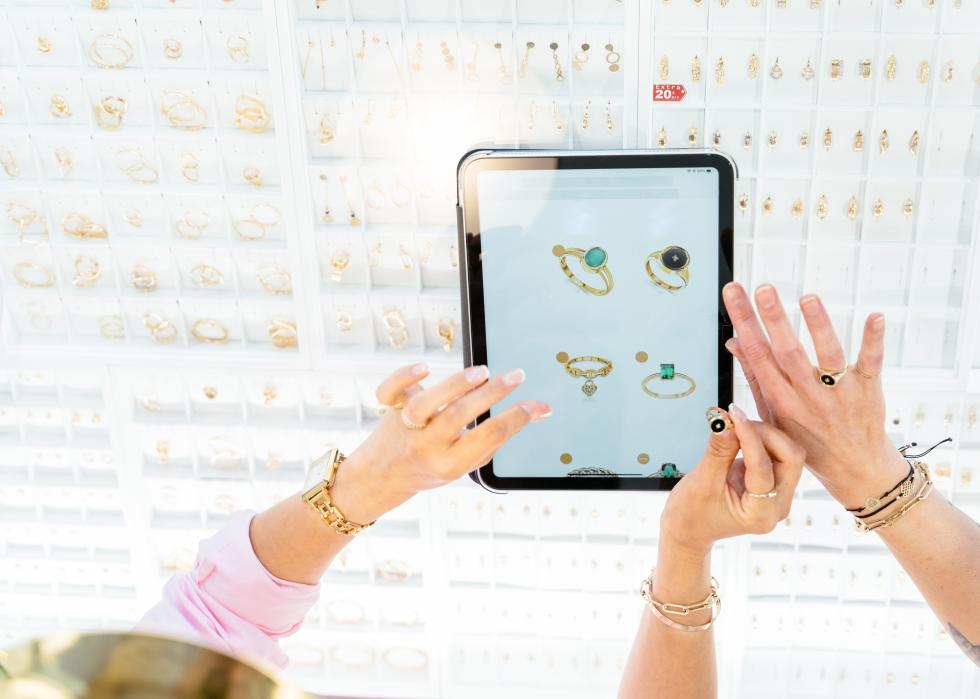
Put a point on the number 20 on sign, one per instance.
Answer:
(668, 93)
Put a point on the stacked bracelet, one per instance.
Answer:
(879, 504)
(660, 609)
(925, 489)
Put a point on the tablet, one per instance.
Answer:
(599, 274)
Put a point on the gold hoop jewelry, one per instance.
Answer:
(210, 331)
(282, 333)
(43, 44)
(829, 377)
(339, 261)
(203, 276)
(65, 162)
(589, 387)
(141, 171)
(188, 167)
(763, 496)
(59, 108)
(249, 229)
(252, 175)
(191, 225)
(162, 331)
(134, 218)
(592, 260)
(112, 327)
(344, 321)
(109, 112)
(87, 271)
(172, 49)
(99, 4)
(251, 114)
(272, 219)
(327, 130)
(21, 215)
(718, 419)
(182, 111)
(667, 373)
(105, 43)
(238, 49)
(79, 225)
(861, 372)
(672, 258)
(374, 197)
(414, 426)
(31, 275)
(9, 163)
(447, 333)
(142, 278)
(275, 279)
(396, 327)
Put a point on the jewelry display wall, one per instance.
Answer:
(318, 230)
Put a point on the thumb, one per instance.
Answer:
(723, 443)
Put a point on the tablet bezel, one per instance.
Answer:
(471, 275)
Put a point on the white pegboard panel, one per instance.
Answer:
(459, 588)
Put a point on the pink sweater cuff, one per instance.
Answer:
(230, 601)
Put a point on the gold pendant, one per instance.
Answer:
(664, 68)
(805, 139)
(822, 207)
(808, 73)
(924, 72)
(836, 69)
(776, 72)
(662, 137)
(720, 71)
(797, 208)
(752, 68)
(852, 208)
(891, 67)
(914, 142)
(907, 207)
(883, 142)
(773, 138)
(828, 138)
(878, 208)
(858, 144)
(695, 69)
(767, 206)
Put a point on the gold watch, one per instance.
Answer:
(319, 480)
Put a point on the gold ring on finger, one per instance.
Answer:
(860, 372)
(412, 425)
(830, 377)
(762, 496)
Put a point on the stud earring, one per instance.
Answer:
(767, 206)
(743, 203)
(808, 72)
(609, 117)
(696, 69)
(776, 72)
(747, 140)
(692, 136)
(883, 142)
(522, 70)
(559, 73)
(773, 138)
(822, 207)
(948, 75)
(907, 207)
(805, 139)
(858, 144)
(716, 137)
(664, 68)
(797, 209)
(612, 58)
(585, 116)
(852, 208)
(720, 70)
(752, 67)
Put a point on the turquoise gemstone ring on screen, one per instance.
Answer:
(593, 261)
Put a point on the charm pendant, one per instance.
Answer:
(589, 388)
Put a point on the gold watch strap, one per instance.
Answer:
(319, 499)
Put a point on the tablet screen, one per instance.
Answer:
(603, 285)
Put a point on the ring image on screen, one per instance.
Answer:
(600, 275)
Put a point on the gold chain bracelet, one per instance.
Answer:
(660, 609)
(924, 491)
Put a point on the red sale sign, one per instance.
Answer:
(668, 93)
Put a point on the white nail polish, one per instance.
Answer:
(514, 377)
(476, 374)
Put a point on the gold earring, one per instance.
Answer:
(447, 332)
(353, 219)
(447, 56)
(752, 67)
(612, 58)
(716, 137)
(852, 208)
(864, 68)
(251, 114)
(822, 207)
(662, 137)
(836, 69)
(808, 72)
(609, 116)
(59, 108)
(773, 138)
(559, 73)
(188, 167)
(87, 271)
(203, 276)
(797, 209)
(252, 175)
(282, 333)
(891, 67)
(113, 44)
(339, 262)
(374, 197)
(877, 208)
(585, 116)
(692, 136)
(109, 113)
(182, 111)
(858, 144)
(43, 44)
(805, 139)
(664, 68)
(503, 69)
(9, 163)
(275, 279)
(696, 69)
(344, 321)
(914, 142)
(828, 138)
(776, 72)
(883, 142)
(924, 72)
(555, 117)
(172, 49)
(720, 70)
(522, 69)
(948, 74)
(747, 140)
(580, 57)
(65, 162)
(134, 218)
(142, 278)
(238, 49)
(768, 206)
(396, 327)
(743, 203)
(532, 116)
(907, 207)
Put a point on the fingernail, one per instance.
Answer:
(420, 369)
(476, 374)
(731, 289)
(513, 377)
(730, 345)
(536, 411)
(718, 419)
(878, 323)
(737, 414)
(765, 296)
(809, 301)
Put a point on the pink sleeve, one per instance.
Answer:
(230, 602)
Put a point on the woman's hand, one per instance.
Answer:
(396, 461)
(714, 501)
(841, 427)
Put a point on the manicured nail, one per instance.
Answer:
(737, 413)
(536, 411)
(514, 377)
(765, 296)
(476, 374)
(731, 290)
(878, 323)
(420, 369)
(718, 419)
(731, 345)
(810, 301)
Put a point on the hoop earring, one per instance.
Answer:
(612, 58)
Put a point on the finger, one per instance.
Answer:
(393, 388)
(759, 478)
(871, 358)
(464, 410)
(421, 407)
(830, 355)
(477, 446)
(722, 444)
(787, 456)
(760, 401)
(756, 351)
(786, 345)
